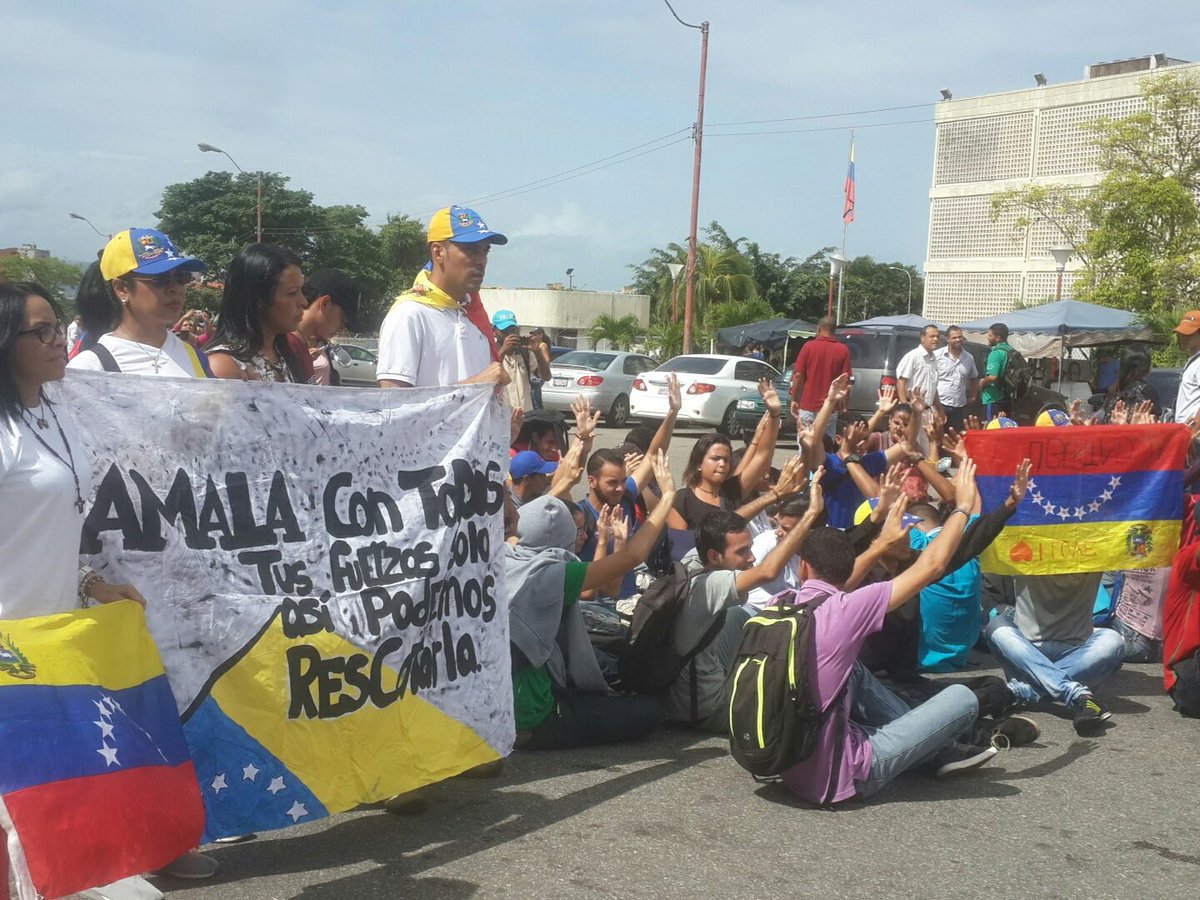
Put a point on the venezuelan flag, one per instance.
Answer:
(96, 782)
(1101, 498)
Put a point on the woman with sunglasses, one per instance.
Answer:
(263, 303)
(145, 279)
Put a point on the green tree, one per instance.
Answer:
(871, 288)
(57, 276)
(664, 340)
(1137, 233)
(620, 333)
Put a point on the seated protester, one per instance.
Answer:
(609, 483)
(712, 483)
(843, 488)
(539, 436)
(906, 642)
(1181, 631)
(870, 735)
(1050, 650)
(724, 571)
(530, 475)
(560, 696)
(1138, 616)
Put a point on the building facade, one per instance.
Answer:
(977, 265)
(565, 314)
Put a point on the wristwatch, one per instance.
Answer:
(854, 458)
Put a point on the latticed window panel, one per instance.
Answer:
(984, 149)
(1043, 235)
(1066, 149)
(963, 228)
(955, 297)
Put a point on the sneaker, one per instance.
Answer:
(961, 757)
(1090, 716)
(1017, 730)
(192, 865)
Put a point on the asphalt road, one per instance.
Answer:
(675, 817)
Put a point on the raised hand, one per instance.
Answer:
(1020, 484)
(1143, 414)
(887, 400)
(816, 495)
(890, 488)
(894, 530)
(973, 423)
(1119, 414)
(674, 397)
(1075, 414)
(956, 445)
(570, 468)
(916, 399)
(620, 531)
(633, 460)
(582, 408)
(662, 474)
(839, 390)
(604, 525)
(854, 435)
(518, 419)
(791, 477)
(766, 388)
(965, 490)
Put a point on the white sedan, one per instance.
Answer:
(711, 385)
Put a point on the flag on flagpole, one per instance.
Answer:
(97, 783)
(848, 211)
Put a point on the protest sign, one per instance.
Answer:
(1101, 498)
(322, 570)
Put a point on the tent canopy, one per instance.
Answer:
(910, 320)
(771, 333)
(1054, 328)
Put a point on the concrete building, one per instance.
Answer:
(25, 251)
(976, 266)
(565, 314)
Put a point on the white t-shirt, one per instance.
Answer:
(39, 544)
(1187, 400)
(789, 578)
(429, 347)
(953, 375)
(174, 360)
(919, 369)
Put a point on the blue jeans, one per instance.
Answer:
(902, 737)
(1054, 670)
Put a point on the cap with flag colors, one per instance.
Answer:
(460, 225)
(97, 782)
(143, 251)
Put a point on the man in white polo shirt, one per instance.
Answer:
(437, 332)
(1187, 402)
(917, 369)
(958, 377)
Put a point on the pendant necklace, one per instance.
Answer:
(69, 462)
(41, 416)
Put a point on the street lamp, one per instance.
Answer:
(675, 268)
(570, 279)
(909, 274)
(90, 225)
(837, 262)
(1061, 253)
(698, 136)
(209, 148)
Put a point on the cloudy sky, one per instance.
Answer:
(406, 106)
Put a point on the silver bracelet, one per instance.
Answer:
(959, 509)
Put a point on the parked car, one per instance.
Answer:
(605, 377)
(711, 384)
(876, 351)
(750, 409)
(355, 365)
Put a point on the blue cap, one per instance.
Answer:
(527, 463)
(143, 251)
(504, 319)
(461, 226)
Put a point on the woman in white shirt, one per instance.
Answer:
(145, 279)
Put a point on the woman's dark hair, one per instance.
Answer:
(1135, 366)
(13, 296)
(535, 429)
(249, 292)
(99, 309)
(691, 473)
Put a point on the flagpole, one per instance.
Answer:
(845, 226)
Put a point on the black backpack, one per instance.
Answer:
(649, 663)
(1017, 377)
(774, 718)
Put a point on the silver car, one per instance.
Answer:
(605, 377)
(355, 365)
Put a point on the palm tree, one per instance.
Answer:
(727, 314)
(665, 340)
(620, 333)
(721, 275)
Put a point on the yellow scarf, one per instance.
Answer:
(425, 291)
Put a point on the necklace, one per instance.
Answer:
(156, 361)
(69, 462)
(707, 491)
(41, 416)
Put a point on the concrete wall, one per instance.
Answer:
(565, 313)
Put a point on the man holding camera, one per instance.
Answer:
(520, 363)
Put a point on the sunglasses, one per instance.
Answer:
(178, 276)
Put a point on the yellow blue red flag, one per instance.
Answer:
(1101, 498)
(96, 782)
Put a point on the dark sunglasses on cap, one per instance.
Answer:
(165, 280)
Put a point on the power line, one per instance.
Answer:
(859, 112)
(853, 125)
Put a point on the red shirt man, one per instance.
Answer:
(820, 361)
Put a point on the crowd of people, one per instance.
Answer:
(879, 519)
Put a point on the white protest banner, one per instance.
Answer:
(323, 574)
